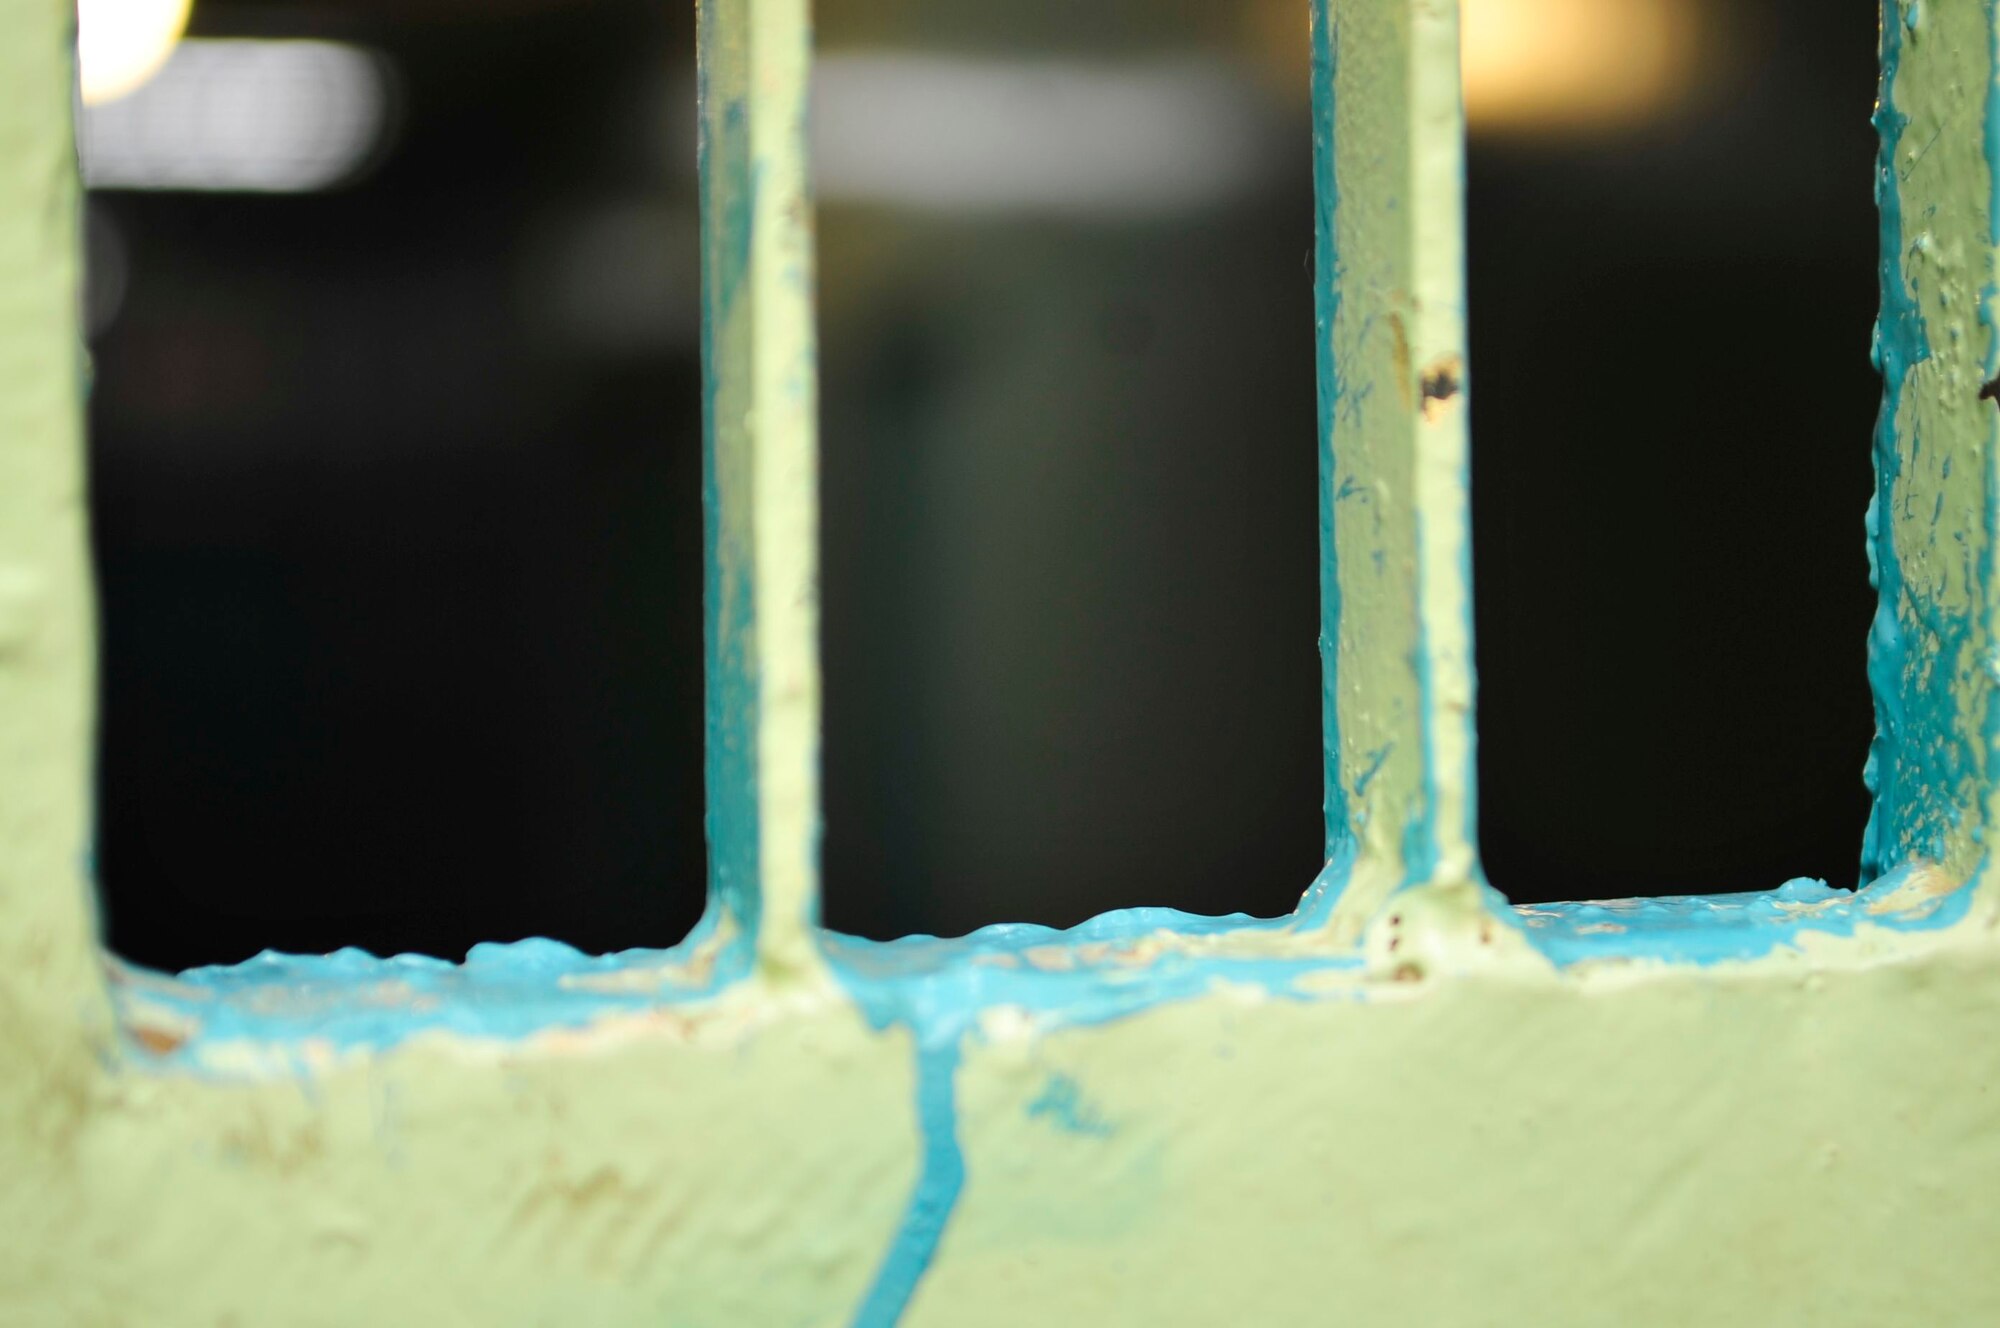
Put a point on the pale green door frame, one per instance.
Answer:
(1408, 1102)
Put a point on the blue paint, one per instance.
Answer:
(1712, 929)
(939, 989)
(1326, 306)
(939, 1181)
(1989, 319)
(727, 183)
(353, 999)
(1062, 1104)
(1345, 811)
(1926, 756)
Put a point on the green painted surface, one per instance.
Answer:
(761, 479)
(51, 1000)
(1406, 1105)
(1932, 521)
(1396, 636)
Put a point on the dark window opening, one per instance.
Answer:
(1069, 464)
(396, 498)
(1671, 410)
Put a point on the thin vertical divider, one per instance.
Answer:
(760, 478)
(1934, 766)
(51, 986)
(1396, 603)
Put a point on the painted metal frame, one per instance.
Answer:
(1406, 1102)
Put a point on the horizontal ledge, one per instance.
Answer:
(279, 1010)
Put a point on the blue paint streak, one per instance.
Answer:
(1419, 836)
(936, 1194)
(1925, 755)
(1900, 341)
(1326, 307)
(728, 182)
(938, 989)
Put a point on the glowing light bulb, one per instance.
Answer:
(122, 43)
(1534, 65)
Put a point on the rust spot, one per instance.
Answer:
(1402, 354)
(1394, 941)
(1408, 971)
(1441, 384)
(159, 1041)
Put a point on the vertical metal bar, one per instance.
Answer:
(1396, 629)
(761, 477)
(1931, 652)
(49, 975)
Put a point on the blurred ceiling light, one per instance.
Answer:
(122, 43)
(966, 135)
(244, 116)
(1544, 65)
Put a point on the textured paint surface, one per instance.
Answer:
(1405, 1104)
(1128, 1124)
(1396, 636)
(1931, 546)
(53, 1014)
(760, 478)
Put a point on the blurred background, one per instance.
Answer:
(395, 429)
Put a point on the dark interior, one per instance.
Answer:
(397, 527)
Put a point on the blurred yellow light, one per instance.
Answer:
(1536, 65)
(122, 43)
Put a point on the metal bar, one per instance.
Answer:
(760, 477)
(1396, 604)
(1931, 660)
(49, 973)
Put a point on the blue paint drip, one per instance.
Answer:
(936, 1194)
(939, 989)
